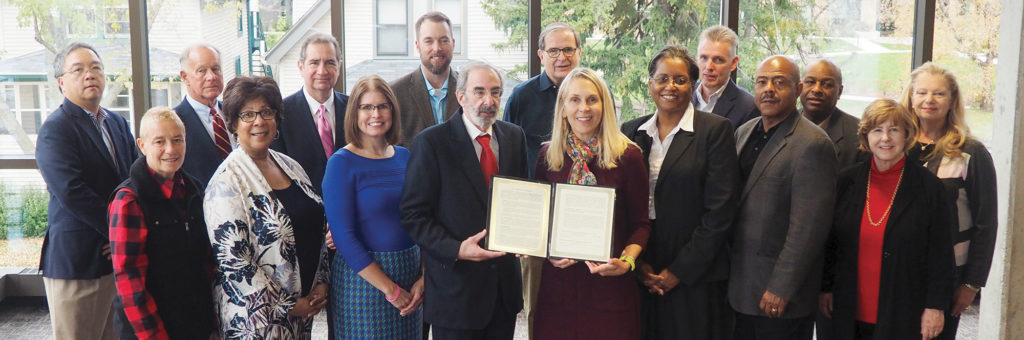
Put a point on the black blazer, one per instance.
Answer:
(736, 104)
(80, 176)
(299, 137)
(695, 198)
(444, 201)
(201, 155)
(917, 253)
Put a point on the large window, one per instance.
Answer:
(392, 28)
(29, 93)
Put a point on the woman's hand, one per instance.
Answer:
(825, 301)
(417, 298)
(614, 267)
(562, 263)
(931, 323)
(402, 299)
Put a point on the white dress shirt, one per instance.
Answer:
(314, 106)
(659, 148)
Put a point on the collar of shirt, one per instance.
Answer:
(712, 99)
(314, 106)
(204, 111)
(473, 131)
(545, 83)
(685, 124)
(438, 98)
(430, 88)
(170, 188)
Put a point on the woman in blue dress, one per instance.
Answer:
(377, 281)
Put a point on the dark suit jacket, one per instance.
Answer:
(842, 130)
(444, 201)
(414, 103)
(784, 218)
(917, 253)
(201, 155)
(300, 139)
(80, 176)
(736, 104)
(695, 198)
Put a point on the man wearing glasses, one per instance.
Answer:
(426, 96)
(83, 151)
(532, 106)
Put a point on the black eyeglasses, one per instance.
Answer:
(664, 80)
(250, 116)
(380, 108)
(568, 51)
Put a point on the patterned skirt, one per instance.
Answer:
(361, 311)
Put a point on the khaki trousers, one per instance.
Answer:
(531, 284)
(81, 309)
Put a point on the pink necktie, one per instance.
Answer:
(324, 128)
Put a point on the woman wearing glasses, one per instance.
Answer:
(266, 225)
(694, 186)
(377, 283)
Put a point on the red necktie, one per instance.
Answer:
(488, 164)
(220, 134)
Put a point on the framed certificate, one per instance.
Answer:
(550, 220)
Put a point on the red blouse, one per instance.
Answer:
(881, 189)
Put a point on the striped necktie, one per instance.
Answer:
(220, 134)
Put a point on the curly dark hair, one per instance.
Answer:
(242, 89)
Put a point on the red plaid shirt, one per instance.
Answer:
(128, 233)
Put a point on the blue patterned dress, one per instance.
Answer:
(361, 196)
(257, 280)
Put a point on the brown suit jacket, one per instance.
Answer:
(414, 103)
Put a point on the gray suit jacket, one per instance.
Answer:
(414, 103)
(785, 216)
(842, 129)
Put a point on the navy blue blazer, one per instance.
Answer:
(80, 176)
(201, 155)
(300, 140)
(736, 104)
(444, 201)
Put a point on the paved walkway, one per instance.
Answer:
(28, 319)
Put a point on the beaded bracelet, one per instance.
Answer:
(630, 260)
(398, 291)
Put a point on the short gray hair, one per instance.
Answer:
(320, 38)
(556, 26)
(58, 60)
(183, 59)
(472, 66)
(719, 33)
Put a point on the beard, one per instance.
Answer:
(440, 68)
(483, 122)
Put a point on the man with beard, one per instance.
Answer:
(532, 106)
(776, 262)
(717, 92)
(470, 293)
(426, 95)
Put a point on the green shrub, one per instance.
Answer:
(33, 211)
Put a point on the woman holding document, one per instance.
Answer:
(694, 189)
(588, 300)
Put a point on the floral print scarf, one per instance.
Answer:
(581, 153)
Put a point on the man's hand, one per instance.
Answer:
(470, 249)
(962, 299)
(825, 301)
(772, 305)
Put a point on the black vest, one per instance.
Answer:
(179, 252)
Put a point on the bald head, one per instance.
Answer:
(823, 84)
(776, 88)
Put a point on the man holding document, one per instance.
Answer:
(470, 293)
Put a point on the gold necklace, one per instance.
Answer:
(891, 200)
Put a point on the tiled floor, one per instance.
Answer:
(28, 319)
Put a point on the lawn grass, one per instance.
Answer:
(22, 252)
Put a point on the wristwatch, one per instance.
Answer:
(972, 287)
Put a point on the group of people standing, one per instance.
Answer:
(734, 218)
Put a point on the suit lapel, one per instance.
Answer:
(339, 123)
(680, 143)
(421, 99)
(465, 155)
(771, 149)
(451, 102)
(304, 124)
(725, 103)
(84, 122)
(835, 126)
(902, 200)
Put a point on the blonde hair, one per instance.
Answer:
(956, 128)
(610, 141)
(887, 110)
(156, 114)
